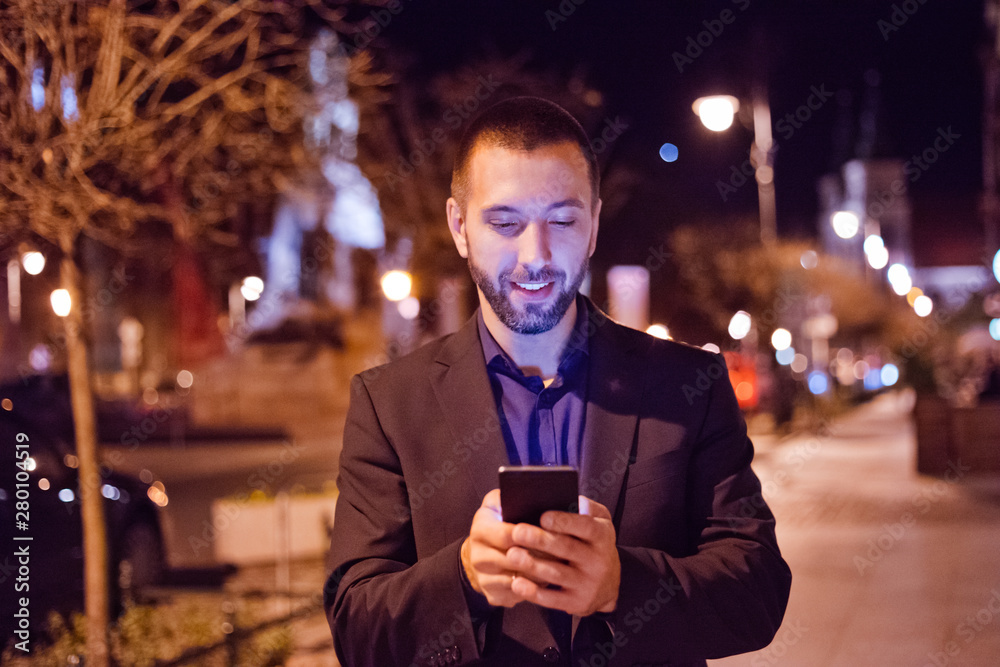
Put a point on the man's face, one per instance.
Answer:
(528, 231)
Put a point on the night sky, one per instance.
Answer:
(887, 88)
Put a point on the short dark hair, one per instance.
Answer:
(521, 124)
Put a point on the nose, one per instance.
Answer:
(534, 252)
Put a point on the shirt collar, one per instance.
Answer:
(577, 345)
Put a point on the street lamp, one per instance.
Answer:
(716, 113)
(396, 285)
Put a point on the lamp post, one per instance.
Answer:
(716, 113)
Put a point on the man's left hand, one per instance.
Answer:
(575, 552)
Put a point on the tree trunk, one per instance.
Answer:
(95, 549)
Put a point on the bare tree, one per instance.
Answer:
(114, 114)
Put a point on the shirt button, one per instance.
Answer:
(551, 654)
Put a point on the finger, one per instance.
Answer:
(548, 544)
(492, 500)
(490, 530)
(580, 526)
(541, 570)
(593, 508)
(552, 598)
(499, 590)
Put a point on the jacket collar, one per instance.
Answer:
(616, 378)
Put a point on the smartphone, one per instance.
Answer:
(527, 492)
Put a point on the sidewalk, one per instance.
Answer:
(889, 567)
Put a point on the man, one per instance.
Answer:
(672, 558)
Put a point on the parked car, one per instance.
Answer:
(39, 469)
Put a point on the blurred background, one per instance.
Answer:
(213, 214)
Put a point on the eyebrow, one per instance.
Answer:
(572, 202)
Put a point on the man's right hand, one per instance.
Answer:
(484, 554)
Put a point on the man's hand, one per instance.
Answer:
(514, 563)
(575, 552)
(484, 554)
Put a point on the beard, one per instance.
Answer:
(535, 318)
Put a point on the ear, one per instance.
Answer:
(595, 223)
(456, 225)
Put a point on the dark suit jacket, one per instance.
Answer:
(701, 574)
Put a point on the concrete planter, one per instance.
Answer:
(272, 530)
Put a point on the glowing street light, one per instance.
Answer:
(396, 285)
(61, 302)
(781, 339)
(716, 111)
(878, 258)
(33, 262)
(874, 243)
(923, 305)
(996, 266)
(739, 325)
(899, 278)
(252, 288)
(845, 224)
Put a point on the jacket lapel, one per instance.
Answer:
(614, 386)
(463, 391)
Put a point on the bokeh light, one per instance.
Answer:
(878, 258)
(396, 285)
(995, 328)
(845, 224)
(658, 331)
(912, 295)
(711, 347)
(409, 308)
(890, 375)
(800, 363)
(252, 288)
(818, 382)
(669, 153)
(923, 306)
(61, 303)
(809, 259)
(33, 262)
(739, 326)
(781, 339)
(185, 379)
(785, 356)
(874, 243)
(717, 111)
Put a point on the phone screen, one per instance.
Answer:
(527, 492)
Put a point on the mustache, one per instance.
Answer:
(540, 276)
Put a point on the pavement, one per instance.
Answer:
(889, 567)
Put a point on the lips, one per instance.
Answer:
(532, 290)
